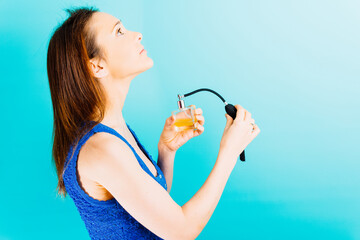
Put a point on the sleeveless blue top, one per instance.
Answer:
(107, 219)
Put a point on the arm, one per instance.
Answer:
(201, 206)
(166, 164)
(145, 199)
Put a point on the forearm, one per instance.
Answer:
(166, 164)
(201, 206)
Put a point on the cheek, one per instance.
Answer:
(116, 56)
(123, 60)
(131, 56)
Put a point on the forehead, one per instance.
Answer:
(102, 23)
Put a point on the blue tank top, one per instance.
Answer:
(107, 219)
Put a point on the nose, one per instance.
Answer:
(140, 36)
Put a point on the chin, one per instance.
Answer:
(149, 64)
(146, 66)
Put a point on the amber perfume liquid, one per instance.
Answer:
(184, 118)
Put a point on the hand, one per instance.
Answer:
(238, 132)
(171, 140)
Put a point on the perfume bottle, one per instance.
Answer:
(184, 116)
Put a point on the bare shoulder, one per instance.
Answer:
(97, 149)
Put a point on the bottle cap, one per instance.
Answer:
(181, 103)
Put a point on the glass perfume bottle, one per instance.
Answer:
(184, 116)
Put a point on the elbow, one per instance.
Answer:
(189, 230)
(190, 233)
(185, 234)
(193, 232)
(182, 233)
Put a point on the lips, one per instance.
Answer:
(141, 51)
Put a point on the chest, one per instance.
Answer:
(97, 191)
(144, 158)
(132, 141)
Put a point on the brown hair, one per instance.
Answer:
(77, 96)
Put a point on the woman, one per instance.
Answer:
(92, 59)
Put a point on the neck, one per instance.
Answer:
(116, 91)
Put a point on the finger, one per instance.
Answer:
(199, 128)
(200, 119)
(229, 121)
(170, 120)
(255, 132)
(240, 113)
(247, 115)
(198, 111)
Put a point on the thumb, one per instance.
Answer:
(170, 120)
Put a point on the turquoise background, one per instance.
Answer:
(293, 64)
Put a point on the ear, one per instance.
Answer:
(99, 68)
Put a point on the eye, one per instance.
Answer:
(119, 31)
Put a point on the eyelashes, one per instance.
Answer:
(119, 31)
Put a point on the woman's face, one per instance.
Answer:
(121, 47)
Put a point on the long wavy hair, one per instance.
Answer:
(78, 98)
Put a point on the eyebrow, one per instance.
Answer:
(118, 22)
